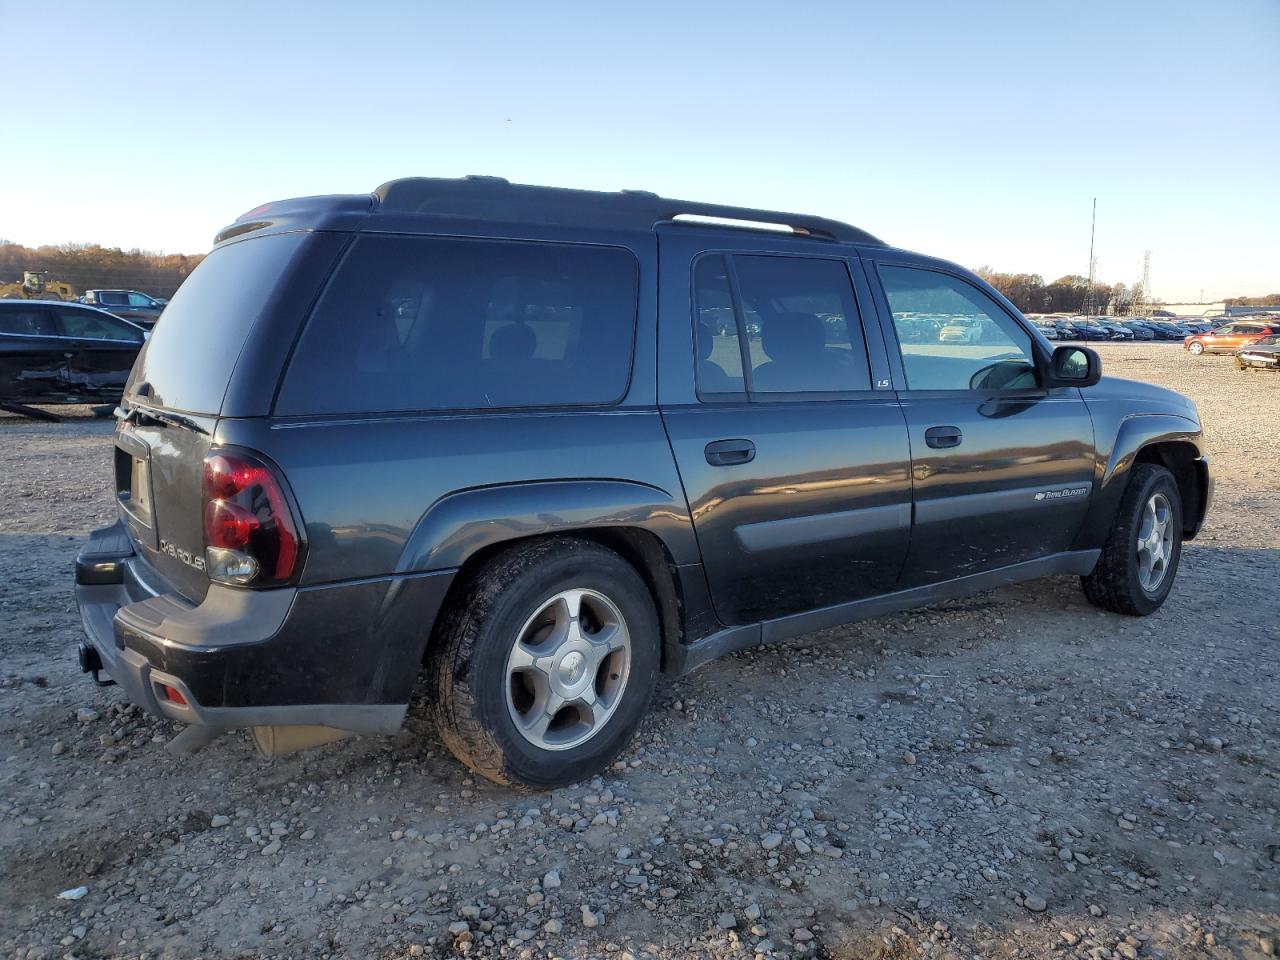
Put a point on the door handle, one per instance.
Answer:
(942, 437)
(727, 453)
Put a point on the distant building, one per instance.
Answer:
(1239, 311)
(1192, 309)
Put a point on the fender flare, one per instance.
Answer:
(457, 526)
(1140, 430)
(1135, 432)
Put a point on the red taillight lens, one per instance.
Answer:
(228, 525)
(249, 530)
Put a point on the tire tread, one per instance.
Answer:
(1112, 584)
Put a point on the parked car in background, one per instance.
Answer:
(1067, 330)
(1117, 329)
(1262, 355)
(961, 330)
(130, 304)
(1230, 337)
(55, 352)
(918, 330)
(1139, 330)
(1169, 329)
(1087, 329)
(1050, 329)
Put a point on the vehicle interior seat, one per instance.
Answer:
(799, 360)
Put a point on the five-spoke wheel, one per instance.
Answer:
(1155, 542)
(546, 662)
(568, 669)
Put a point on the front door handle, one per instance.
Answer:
(727, 453)
(942, 437)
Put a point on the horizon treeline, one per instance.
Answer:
(1031, 294)
(88, 266)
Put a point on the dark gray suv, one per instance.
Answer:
(549, 444)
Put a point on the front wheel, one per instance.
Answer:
(1196, 348)
(546, 664)
(1135, 571)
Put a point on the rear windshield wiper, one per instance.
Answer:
(138, 413)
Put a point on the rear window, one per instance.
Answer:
(190, 356)
(424, 323)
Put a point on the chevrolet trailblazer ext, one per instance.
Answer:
(550, 443)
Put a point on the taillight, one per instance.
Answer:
(250, 535)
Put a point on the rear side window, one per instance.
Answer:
(425, 323)
(191, 354)
(26, 322)
(719, 352)
(802, 325)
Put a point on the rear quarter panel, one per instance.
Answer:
(386, 495)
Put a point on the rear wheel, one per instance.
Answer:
(546, 664)
(1135, 572)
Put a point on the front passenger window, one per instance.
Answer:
(953, 336)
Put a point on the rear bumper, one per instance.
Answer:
(339, 655)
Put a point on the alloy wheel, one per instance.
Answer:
(1155, 542)
(568, 669)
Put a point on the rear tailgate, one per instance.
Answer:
(159, 469)
(242, 292)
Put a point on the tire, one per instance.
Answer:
(1196, 348)
(1119, 582)
(506, 646)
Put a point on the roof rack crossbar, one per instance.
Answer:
(493, 197)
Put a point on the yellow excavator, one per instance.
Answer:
(34, 286)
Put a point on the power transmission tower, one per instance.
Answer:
(1143, 299)
(1090, 300)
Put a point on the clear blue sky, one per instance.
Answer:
(975, 131)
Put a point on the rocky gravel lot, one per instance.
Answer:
(1011, 775)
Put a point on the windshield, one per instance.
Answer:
(188, 361)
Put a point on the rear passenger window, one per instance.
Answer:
(802, 326)
(422, 323)
(719, 353)
(27, 322)
(797, 317)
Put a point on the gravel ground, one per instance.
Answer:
(1011, 775)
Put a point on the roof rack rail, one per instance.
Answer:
(496, 198)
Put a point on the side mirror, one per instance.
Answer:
(1074, 367)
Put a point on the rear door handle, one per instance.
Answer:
(727, 453)
(942, 437)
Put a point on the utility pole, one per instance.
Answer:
(1090, 304)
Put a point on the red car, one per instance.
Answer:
(1231, 337)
